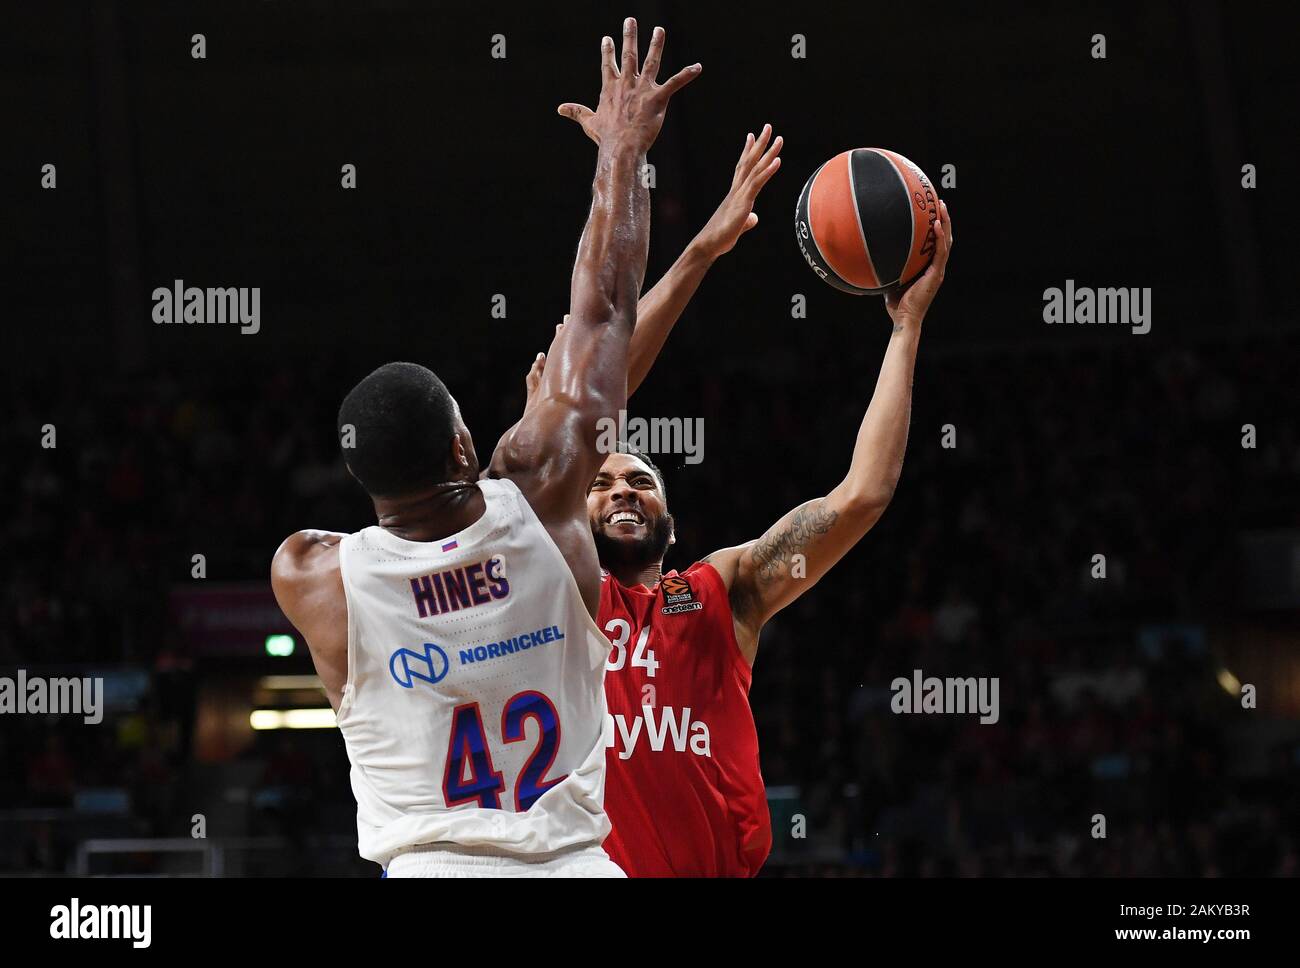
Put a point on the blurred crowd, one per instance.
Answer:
(983, 566)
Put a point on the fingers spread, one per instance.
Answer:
(629, 47)
(608, 69)
(753, 158)
(681, 79)
(651, 67)
(772, 154)
(764, 175)
(763, 168)
(574, 112)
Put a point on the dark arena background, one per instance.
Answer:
(150, 471)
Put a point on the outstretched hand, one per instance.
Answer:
(909, 306)
(736, 216)
(632, 105)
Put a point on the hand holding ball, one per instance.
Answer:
(865, 221)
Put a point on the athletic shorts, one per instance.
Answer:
(444, 860)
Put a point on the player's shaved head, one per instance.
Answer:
(400, 422)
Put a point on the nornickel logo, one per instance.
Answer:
(431, 665)
(75, 921)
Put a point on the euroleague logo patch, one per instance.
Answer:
(678, 596)
(407, 665)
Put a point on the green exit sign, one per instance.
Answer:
(279, 645)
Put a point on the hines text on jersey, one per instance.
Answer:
(462, 587)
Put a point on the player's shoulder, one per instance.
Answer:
(306, 552)
(703, 566)
(704, 576)
(725, 563)
(307, 581)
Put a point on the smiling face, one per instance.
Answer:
(628, 513)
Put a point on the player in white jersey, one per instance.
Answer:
(455, 638)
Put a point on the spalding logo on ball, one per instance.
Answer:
(864, 221)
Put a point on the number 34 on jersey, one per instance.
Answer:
(662, 727)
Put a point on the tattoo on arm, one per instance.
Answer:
(772, 552)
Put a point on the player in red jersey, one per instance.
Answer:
(683, 788)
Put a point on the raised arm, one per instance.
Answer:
(551, 453)
(764, 576)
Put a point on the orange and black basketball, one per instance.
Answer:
(864, 221)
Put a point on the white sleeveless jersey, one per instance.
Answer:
(474, 707)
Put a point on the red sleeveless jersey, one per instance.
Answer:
(682, 788)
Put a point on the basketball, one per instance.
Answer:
(864, 221)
